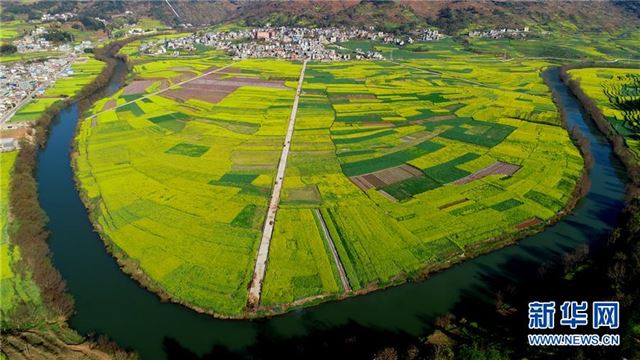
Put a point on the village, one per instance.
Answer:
(36, 41)
(20, 83)
(288, 42)
(501, 33)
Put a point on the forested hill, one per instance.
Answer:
(449, 16)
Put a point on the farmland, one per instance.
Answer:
(16, 287)
(616, 91)
(410, 163)
(168, 151)
(410, 168)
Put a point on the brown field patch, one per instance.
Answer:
(238, 81)
(499, 168)
(183, 77)
(382, 178)
(207, 95)
(17, 133)
(137, 87)
(435, 118)
(377, 124)
(212, 89)
(109, 105)
(531, 222)
(440, 118)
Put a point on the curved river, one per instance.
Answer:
(109, 302)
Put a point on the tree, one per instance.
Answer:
(6, 49)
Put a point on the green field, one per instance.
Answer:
(362, 117)
(16, 288)
(170, 152)
(454, 153)
(616, 93)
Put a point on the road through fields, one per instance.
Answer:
(269, 222)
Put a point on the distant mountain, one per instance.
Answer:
(449, 16)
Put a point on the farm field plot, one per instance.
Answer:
(180, 184)
(410, 164)
(617, 94)
(410, 168)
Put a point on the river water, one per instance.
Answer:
(109, 302)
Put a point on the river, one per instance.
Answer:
(109, 302)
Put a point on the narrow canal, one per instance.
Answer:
(109, 302)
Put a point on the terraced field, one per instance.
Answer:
(410, 164)
(617, 94)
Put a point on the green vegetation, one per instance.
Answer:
(201, 180)
(380, 117)
(17, 289)
(300, 264)
(616, 92)
(621, 44)
(39, 55)
(34, 304)
(454, 153)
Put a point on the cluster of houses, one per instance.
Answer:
(19, 82)
(425, 35)
(35, 41)
(501, 33)
(286, 42)
(62, 17)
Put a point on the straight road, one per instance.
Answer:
(267, 230)
(336, 257)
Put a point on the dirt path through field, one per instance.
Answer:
(336, 257)
(267, 230)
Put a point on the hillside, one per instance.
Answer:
(449, 16)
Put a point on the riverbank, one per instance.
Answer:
(623, 250)
(592, 109)
(49, 336)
